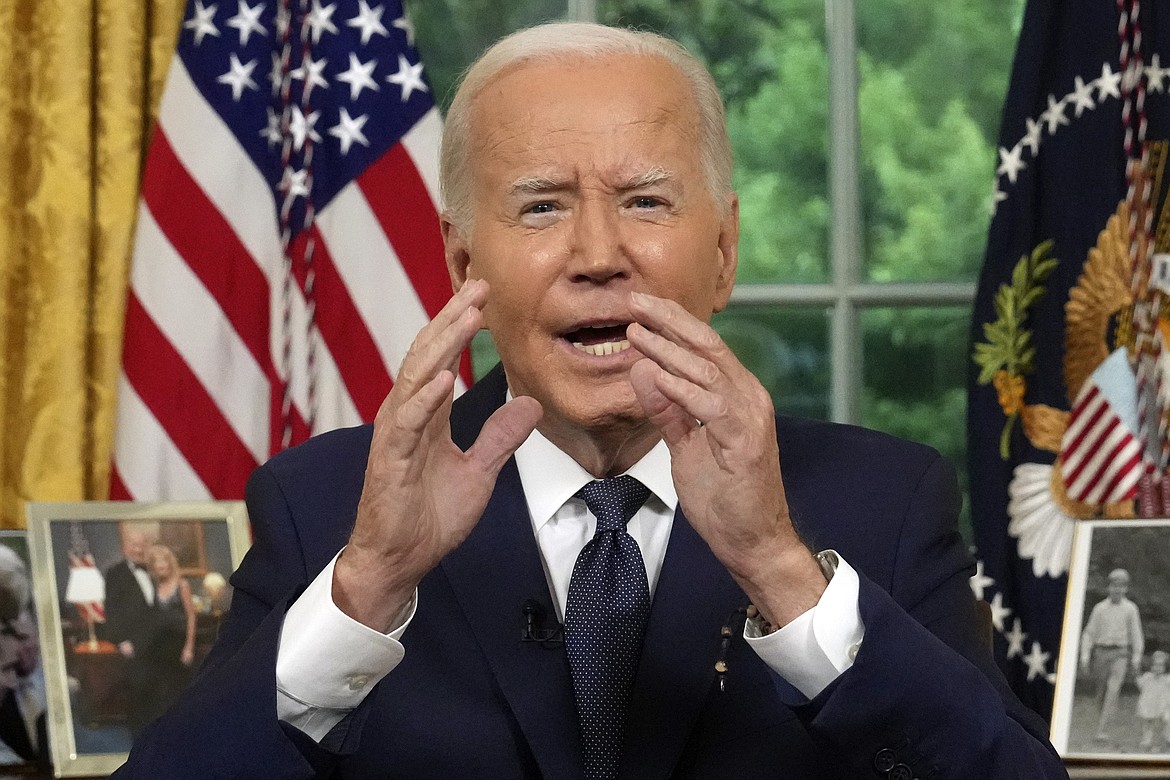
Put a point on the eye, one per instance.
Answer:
(544, 207)
(646, 202)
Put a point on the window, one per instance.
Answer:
(864, 136)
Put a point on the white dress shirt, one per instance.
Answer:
(327, 662)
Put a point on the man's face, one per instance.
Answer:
(1117, 590)
(587, 184)
(135, 545)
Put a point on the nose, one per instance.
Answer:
(597, 253)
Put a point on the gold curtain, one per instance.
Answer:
(79, 87)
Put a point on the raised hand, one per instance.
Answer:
(718, 421)
(422, 494)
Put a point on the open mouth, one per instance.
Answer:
(599, 340)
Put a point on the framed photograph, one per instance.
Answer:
(129, 597)
(1113, 677)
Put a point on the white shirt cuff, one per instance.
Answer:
(817, 647)
(328, 662)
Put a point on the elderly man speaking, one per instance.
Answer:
(622, 474)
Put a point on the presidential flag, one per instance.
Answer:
(288, 245)
(1067, 402)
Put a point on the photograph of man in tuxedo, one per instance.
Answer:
(622, 470)
(130, 622)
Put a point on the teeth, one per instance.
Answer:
(604, 348)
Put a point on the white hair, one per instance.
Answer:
(564, 41)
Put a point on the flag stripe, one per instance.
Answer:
(213, 352)
(147, 461)
(410, 222)
(373, 274)
(344, 333)
(422, 144)
(216, 162)
(177, 399)
(206, 242)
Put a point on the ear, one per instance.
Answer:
(728, 253)
(455, 251)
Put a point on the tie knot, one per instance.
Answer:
(614, 501)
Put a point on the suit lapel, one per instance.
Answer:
(494, 571)
(694, 597)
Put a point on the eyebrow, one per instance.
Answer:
(531, 185)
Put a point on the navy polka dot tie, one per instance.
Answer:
(605, 618)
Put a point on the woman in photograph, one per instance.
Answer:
(172, 650)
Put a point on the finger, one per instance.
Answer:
(417, 413)
(670, 418)
(676, 359)
(504, 432)
(670, 320)
(435, 350)
(710, 409)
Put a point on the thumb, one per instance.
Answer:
(505, 431)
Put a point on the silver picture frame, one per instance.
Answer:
(74, 547)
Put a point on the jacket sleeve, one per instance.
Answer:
(924, 691)
(225, 724)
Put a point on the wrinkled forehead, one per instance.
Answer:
(555, 105)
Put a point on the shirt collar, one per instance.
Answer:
(550, 477)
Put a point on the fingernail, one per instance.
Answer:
(638, 297)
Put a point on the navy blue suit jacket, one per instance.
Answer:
(471, 700)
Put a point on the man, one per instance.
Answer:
(15, 625)
(589, 223)
(22, 708)
(129, 617)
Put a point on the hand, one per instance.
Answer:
(422, 494)
(126, 648)
(720, 426)
(187, 656)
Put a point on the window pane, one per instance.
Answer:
(915, 379)
(787, 349)
(769, 61)
(452, 33)
(932, 81)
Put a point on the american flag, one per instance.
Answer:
(288, 245)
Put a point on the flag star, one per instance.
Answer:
(202, 22)
(1032, 136)
(999, 612)
(359, 76)
(402, 23)
(303, 127)
(321, 20)
(1037, 662)
(1054, 115)
(1082, 96)
(1015, 639)
(1108, 83)
(979, 580)
(239, 77)
(272, 132)
(247, 21)
(997, 196)
(348, 130)
(1155, 73)
(408, 78)
(1010, 162)
(370, 21)
(295, 184)
(310, 72)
